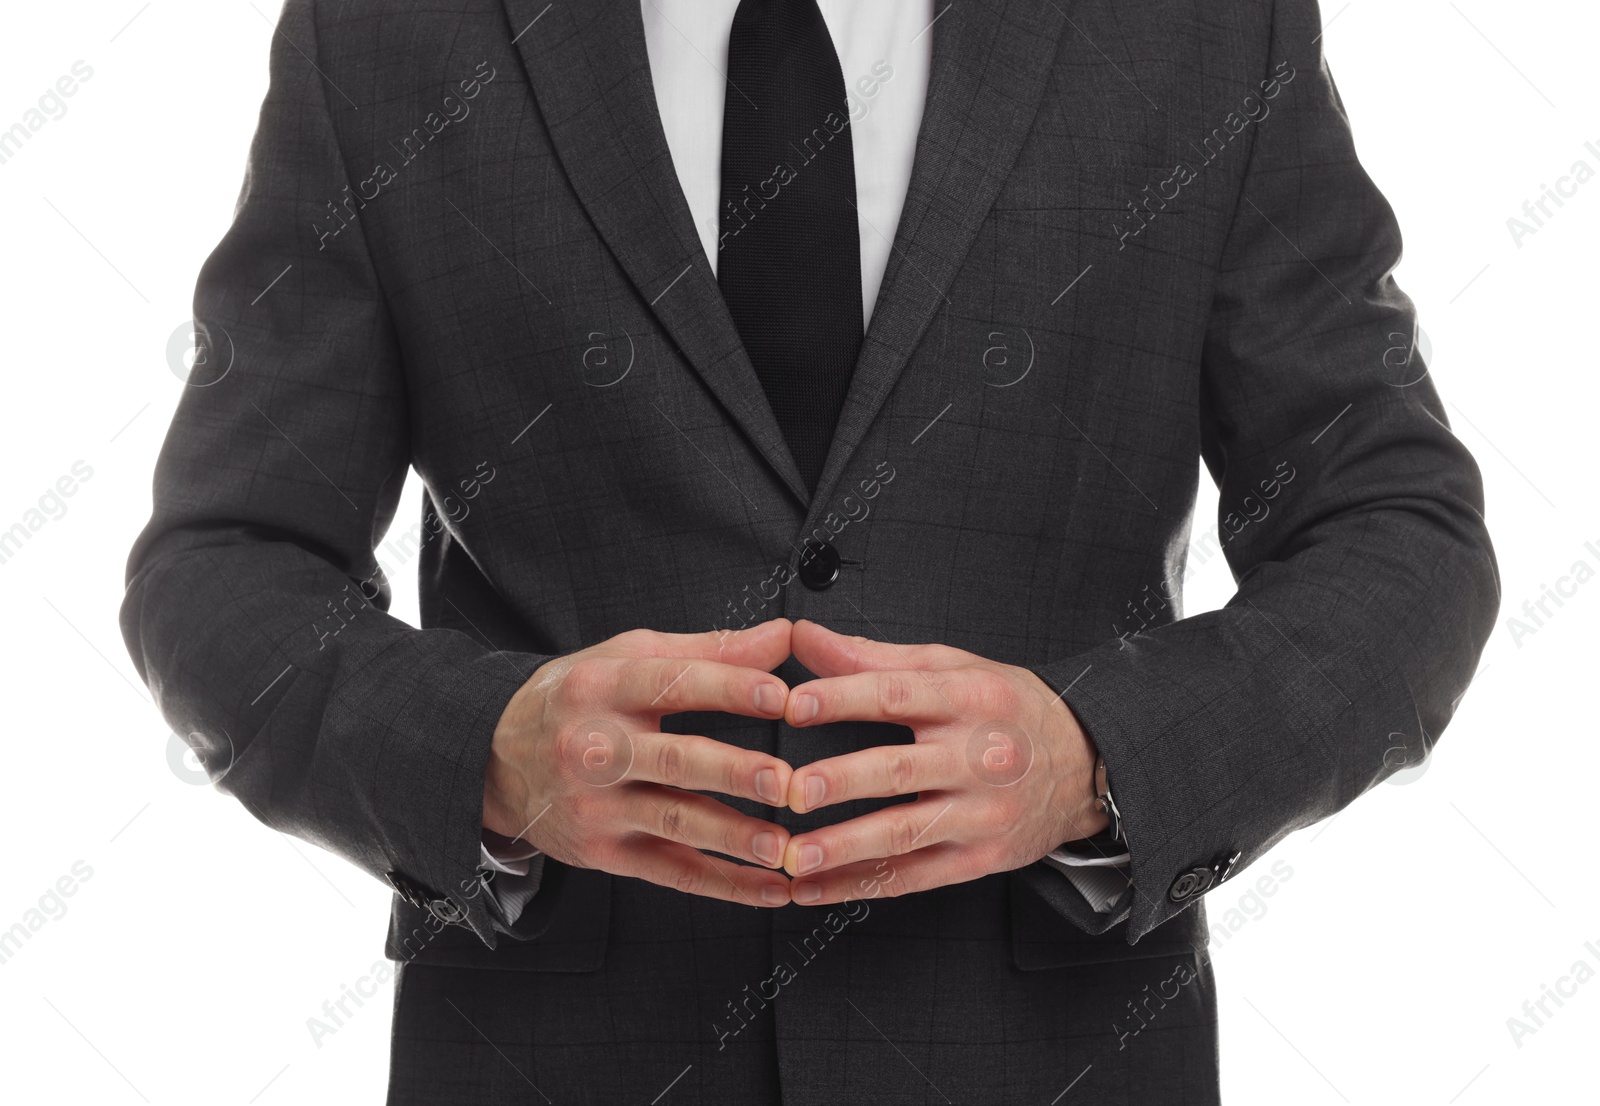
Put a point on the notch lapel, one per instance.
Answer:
(590, 72)
(991, 60)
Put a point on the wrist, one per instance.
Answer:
(506, 792)
(1081, 813)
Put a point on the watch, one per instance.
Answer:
(1103, 799)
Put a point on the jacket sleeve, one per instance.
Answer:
(255, 607)
(1353, 522)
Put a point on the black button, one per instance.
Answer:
(819, 565)
(1197, 881)
(1194, 882)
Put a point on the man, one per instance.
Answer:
(809, 400)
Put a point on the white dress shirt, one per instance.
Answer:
(884, 48)
(885, 51)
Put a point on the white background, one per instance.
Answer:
(1383, 970)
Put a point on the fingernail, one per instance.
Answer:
(810, 859)
(773, 895)
(816, 791)
(770, 700)
(766, 848)
(767, 786)
(806, 893)
(806, 708)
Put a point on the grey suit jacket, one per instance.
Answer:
(1135, 238)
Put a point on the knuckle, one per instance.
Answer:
(586, 681)
(582, 811)
(902, 834)
(986, 858)
(736, 838)
(894, 696)
(978, 857)
(600, 853)
(902, 770)
(632, 671)
(894, 888)
(673, 762)
(735, 777)
(571, 746)
(670, 682)
(674, 819)
(687, 880)
(994, 696)
(633, 641)
(969, 691)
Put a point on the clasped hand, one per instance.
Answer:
(1001, 770)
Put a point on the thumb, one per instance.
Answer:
(827, 653)
(764, 646)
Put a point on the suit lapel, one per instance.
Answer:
(991, 59)
(590, 71)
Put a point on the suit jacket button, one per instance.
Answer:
(819, 565)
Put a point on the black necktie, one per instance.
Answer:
(789, 253)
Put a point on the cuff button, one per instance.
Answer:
(1193, 882)
(447, 911)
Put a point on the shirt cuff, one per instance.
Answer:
(510, 876)
(1090, 860)
(1101, 879)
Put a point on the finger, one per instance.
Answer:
(764, 646)
(892, 833)
(671, 864)
(657, 686)
(894, 696)
(828, 653)
(701, 822)
(696, 763)
(880, 772)
(935, 866)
